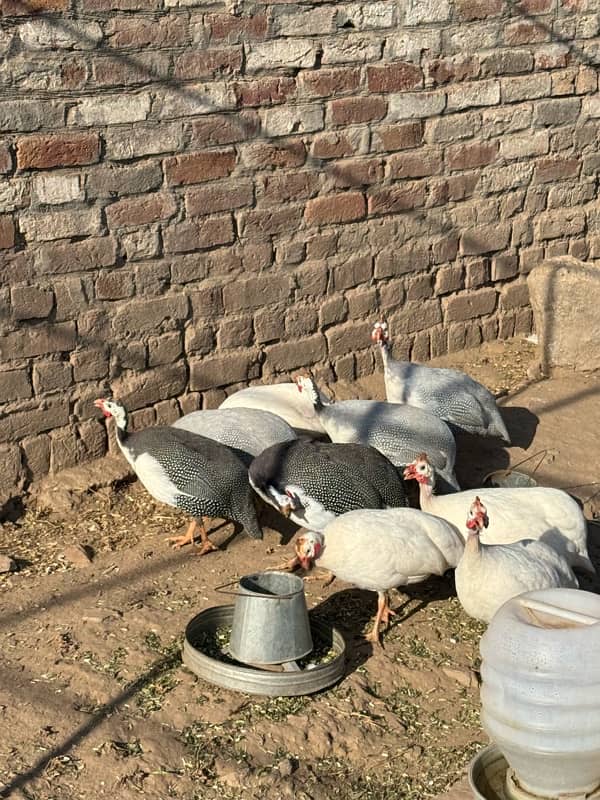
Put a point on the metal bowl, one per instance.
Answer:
(254, 680)
(508, 479)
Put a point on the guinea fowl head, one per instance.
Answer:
(308, 385)
(308, 548)
(380, 333)
(420, 470)
(478, 518)
(111, 408)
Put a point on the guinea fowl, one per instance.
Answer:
(490, 574)
(314, 482)
(448, 393)
(380, 550)
(188, 471)
(248, 430)
(281, 399)
(549, 515)
(400, 432)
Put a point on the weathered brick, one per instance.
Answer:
(89, 254)
(327, 82)
(291, 153)
(514, 295)
(415, 164)
(48, 376)
(334, 310)
(209, 63)
(427, 11)
(264, 92)
(448, 279)
(207, 232)
(467, 156)
(485, 239)
(297, 21)
(31, 302)
(417, 315)
(36, 454)
(255, 292)
(222, 196)
(112, 180)
(394, 77)
(391, 295)
(7, 232)
(471, 95)
(353, 173)
(114, 285)
(552, 56)
(166, 31)
(53, 189)
(506, 178)
(281, 121)
(525, 32)
(6, 161)
(152, 386)
(526, 87)
(281, 54)
(236, 28)
(348, 337)
(141, 210)
(198, 167)
(556, 112)
(235, 332)
(70, 298)
(353, 272)
(260, 223)
(469, 305)
(14, 8)
(311, 280)
(455, 126)
(47, 225)
(89, 364)
(30, 115)
(356, 110)
(14, 385)
(140, 244)
(415, 104)
(290, 186)
(222, 370)
(140, 316)
(469, 10)
(419, 288)
(58, 150)
(401, 260)
(351, 49)
(142, 140)
(286, 356)
(476, 272)
(53, 414)
(336, 208)
(401, 136)
(556, 169)
(506, 62)
(523, 146)
(557, 223)
(164, 349)
(401, 197)
(452, 69)
(504, 266)
(219, 129)
(109, 110)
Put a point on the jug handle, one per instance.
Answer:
(575, 617)
(223, 590)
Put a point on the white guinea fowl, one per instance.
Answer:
(400, 432)
(380, 550)
(448, 393)
(488, 575)
(282, 399)
(538, 512)
(250, 430)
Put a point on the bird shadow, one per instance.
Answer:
(269, 517)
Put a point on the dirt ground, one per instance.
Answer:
(94, 700)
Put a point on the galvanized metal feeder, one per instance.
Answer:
(273, 644)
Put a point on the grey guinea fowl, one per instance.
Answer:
(314, 482)
(397, 431)
(249, 430)
(448, 393)
(188, 471)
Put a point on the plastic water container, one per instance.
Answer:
(540, 691)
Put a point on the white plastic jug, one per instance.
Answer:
(540, 691)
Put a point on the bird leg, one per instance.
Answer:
(207, 545)
(289, 566)
(383, 614)
(188, 538)
(326, 575)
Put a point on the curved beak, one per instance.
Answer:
(285, 510)
(100, 403)
(410, 472)
(305, 562)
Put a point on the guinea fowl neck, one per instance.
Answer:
(425, 494)
(473, 544)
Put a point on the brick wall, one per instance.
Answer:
(196, 195)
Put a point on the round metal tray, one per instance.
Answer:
(254, 680)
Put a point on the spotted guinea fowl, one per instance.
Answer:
(537, 512)
(380, 550)
(281, 399)
(188, 471)
(400, 432)
(448, 393)
(314, 482)
(248, 430)
(488, 575)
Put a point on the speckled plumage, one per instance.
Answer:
(250, 430)
(192, 472)
(340, 477)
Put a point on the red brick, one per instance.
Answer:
(236, 29)
(525, 32)
(203, 200)
(401, 136)
(454, 68)
(120, 5)
(478, 9)
(114, 285)
(114, 71)
(467, 156)
(343, 207)
(356, 110)
(266, 154)
(14, 8)
(198, 167)
(395, 77)
(191, 235)
(61, 150)
(73, 73)
(332, 145)
(89, 254)
(224, 129)
(415, 164)
(7, 232)
(355, 172)
(209, 63)
(269, 221)
(555, 169)
(264, 92)
(534, 6)
(287, 186)
(327, 82)
(141, 210)
(400, 197)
